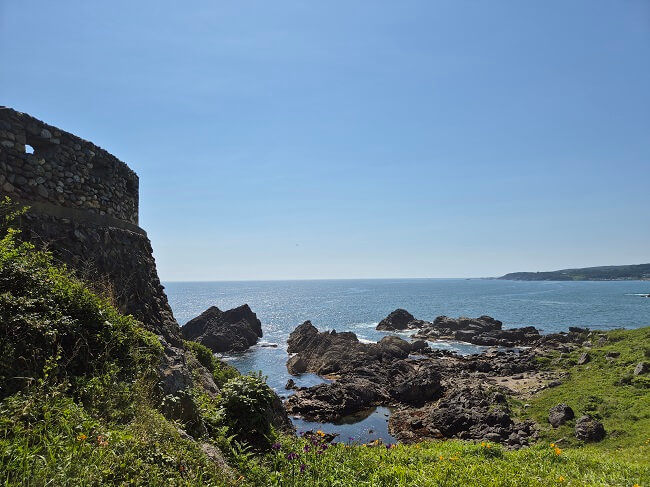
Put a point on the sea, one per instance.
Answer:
(359, 305)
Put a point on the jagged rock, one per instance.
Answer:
(560, 414)
(396, 320)
(642, 368)
(588, 429)
(612, 355)
(584, 358)
(290, 385)
(330, 352)
(483, 330)
(467, 412)
(327, 402)
(224, 331)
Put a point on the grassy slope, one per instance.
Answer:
(605, 389)
(101, 429)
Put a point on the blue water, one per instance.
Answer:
(358, 305)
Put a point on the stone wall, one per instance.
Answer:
(84, 209)
(42, 163)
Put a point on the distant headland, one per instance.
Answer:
(601, 273)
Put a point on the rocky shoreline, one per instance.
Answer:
(434, 394)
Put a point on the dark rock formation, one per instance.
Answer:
(483, 330)
(397, 320)
(224, 331)
(367, 374)
(468, 411)
(331, 352)
(560, 414)
(588, 429)
(439, 394)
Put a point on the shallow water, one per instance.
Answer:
(358, 305)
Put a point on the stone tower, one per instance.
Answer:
(84, 209)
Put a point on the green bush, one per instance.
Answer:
(221, 372)
(247, 402)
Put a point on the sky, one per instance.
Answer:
(356, 138)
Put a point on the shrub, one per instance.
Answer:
(247, 403)
(221, 372)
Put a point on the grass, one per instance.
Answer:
(448, 463)
(604, 389)
(78, 407)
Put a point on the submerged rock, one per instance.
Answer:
(233, 330)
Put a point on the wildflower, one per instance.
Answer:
(292, 456)
(561, 479)
(552, 445)
(306, 449)
(101, 441)
(417, 446)
(483, 444)
(320, 433)
(303, 467)
(488, 446)
(636, 485)
(441, 458)
(276, 446)
(557, 451)
(389, 446)
(81, 437)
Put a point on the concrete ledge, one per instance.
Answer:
(82, 216)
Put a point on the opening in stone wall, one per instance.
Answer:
(29, 149)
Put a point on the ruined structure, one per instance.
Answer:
(84, 209)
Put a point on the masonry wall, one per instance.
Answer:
(84, 209)
(63, 170)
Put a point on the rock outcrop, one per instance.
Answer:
(233, 330)
(589, 430)
(400, 319)
(438, 394)
(483, 330)
(560, 414)
(468, 411)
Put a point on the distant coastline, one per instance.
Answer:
(638, 272)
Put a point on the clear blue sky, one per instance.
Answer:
(341, 139)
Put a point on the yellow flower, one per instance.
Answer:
(557, 451)
(81, 437)
(417, 446)
(320, 433)
(552, 445)
(483, 443)
(636, 485)
(488, 446)
(561, 479)
(441, 458)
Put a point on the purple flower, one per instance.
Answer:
(389, 446)
(303, 467)
(276, 446)
(306, 449)
(292, 456)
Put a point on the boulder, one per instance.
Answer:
(396, 320)
(233, 330)
(588, 429)
(560, 414)
(584, 358)
(642, 368)
(329, 352)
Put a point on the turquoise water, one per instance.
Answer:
(358, 305)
